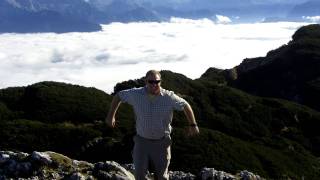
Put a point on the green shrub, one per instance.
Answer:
(5, 113)
(57, 102)
(27, 136)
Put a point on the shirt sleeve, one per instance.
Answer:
(126, 96)
(178, 102)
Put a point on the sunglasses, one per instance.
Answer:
(154, 81)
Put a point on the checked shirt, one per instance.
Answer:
(153, 115)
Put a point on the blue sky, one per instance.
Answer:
(279, 1)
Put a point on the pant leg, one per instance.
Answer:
(140, 159)
(160, 157)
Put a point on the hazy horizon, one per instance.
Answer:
(126, 51)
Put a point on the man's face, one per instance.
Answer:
(153, 84)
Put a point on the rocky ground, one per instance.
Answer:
(51, 165)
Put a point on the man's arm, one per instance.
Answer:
(110, 120)
(193, 127)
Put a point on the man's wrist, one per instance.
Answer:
(193, 125)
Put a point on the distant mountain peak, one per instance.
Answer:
(14, 3)
(29, 5)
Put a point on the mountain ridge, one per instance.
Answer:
(290, 72)
(29, 17)
(21, 16)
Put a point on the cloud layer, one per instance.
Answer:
(126, 51)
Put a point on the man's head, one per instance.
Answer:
(153, 82)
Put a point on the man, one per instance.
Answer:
(153, 107)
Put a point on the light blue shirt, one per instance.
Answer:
(153, 115)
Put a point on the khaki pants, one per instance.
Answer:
(156, 152)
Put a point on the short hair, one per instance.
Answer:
(153, 72)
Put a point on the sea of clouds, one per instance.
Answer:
(126, 51)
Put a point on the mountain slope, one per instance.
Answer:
(239, 131)
(290, 72)
(271, 122)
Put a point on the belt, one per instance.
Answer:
(148, 139)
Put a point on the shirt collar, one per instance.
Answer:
(161, 91)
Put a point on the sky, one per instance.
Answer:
(127, 51)
(279, 1)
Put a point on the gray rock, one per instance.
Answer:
(17, 155)
(42, 157)
(24, 168)
(112, 169)
(34, 178)
(246, 175)
(129, 167)
(76, 176)
(10, 153)
(4, 158)
(11, 167)
(180, 175)
(82, 163)
(51, 165)
(103, 175)
(212, 174)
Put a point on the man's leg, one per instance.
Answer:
(140, 159)
(160, 158)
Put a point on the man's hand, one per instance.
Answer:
(111, 122)
(193, 130)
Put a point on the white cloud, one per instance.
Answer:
(223, 19)
(126, 51)
(314, 19)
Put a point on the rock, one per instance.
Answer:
(82, 166)
(212, 174)
(11, 167)
(43, 158)
(112, 169)
(17, 155)
(82, 163)
(102, 175)
(4, 158)
(77, 176)
(180, 175)
(44, 174)
(17, 169)
(24, 168)
(51, 165)
(246, 175)
(129, 167)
